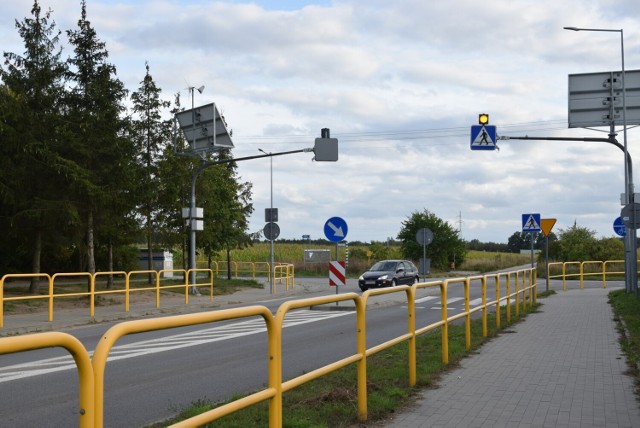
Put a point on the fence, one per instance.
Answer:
(283, 272)
(520, 288)
(129, 283)
(585, 270)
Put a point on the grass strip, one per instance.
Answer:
(331, 401)
(626, 309)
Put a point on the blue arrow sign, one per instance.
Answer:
(483, 137)
(335, 229)
(619, 227)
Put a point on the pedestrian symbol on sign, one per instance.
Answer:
(483, 137)
(531, 222)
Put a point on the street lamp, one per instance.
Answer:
(271, 255)
(192, 205)
(630, 238)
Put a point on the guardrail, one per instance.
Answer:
(55, 289)
(585, 270)
(282, 271)
(521, 286)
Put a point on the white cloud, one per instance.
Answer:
(399, 84)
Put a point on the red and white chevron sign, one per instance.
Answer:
(337, 273)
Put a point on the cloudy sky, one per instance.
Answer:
(399, 83)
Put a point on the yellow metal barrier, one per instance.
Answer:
(284, 272)
(24, 276)
(53, 285)
(101, 354)
(251, 269)
(584, 270)
(86, 411)
(275, 420)
(92, 371)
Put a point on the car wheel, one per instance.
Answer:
(394, 282)
(363, 289)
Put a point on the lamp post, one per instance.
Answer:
(271, 255)
(630, 237)
(192, 205)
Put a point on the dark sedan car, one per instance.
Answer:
(389, 273)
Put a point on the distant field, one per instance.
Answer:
(484, 261)
(361, 257)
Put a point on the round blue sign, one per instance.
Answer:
(619, 227)
(335, 229)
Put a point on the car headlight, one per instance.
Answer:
(384, 277)
(361, 278)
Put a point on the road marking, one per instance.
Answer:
(449, 301)
(426, 299)
(167, 343)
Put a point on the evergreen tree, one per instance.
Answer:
(174, 191)
(150, 134)
(32, 109)
(97, 140)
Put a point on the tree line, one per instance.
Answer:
(83, 177)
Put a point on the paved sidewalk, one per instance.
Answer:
(563, 367)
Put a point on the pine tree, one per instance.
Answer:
(32, 105)
(97, 141)
(150, 134)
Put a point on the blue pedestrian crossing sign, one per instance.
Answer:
(531, 223)
(483, 137)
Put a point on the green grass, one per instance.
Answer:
(626, 308)
(331, 401)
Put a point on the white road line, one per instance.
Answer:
(167, 343)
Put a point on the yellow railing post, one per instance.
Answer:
(467, 318)
(517, 293)
(86, 410)
(411, 329)
(445, 326)
(483, 283)
(535, 286)
(508, 297)
(498, 307)
(361, 327)
(50, 287)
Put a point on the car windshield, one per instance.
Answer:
(384, 266)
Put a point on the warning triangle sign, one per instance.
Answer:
(546, 224)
